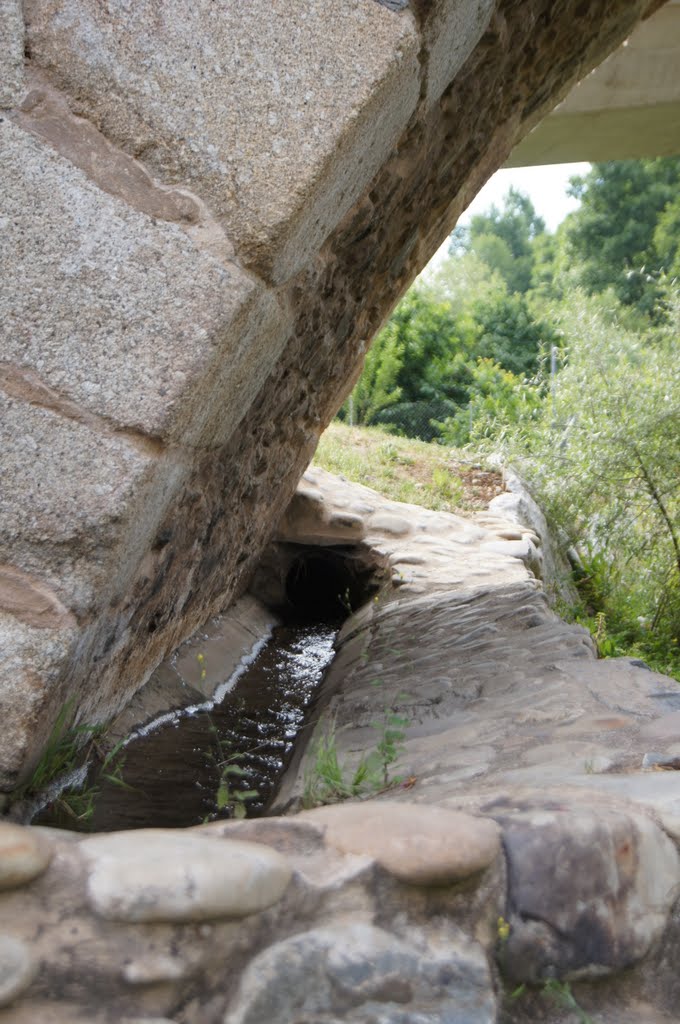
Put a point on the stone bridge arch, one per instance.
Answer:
(208, 209)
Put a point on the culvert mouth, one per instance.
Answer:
(324, 585)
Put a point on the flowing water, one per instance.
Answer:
(194, 764)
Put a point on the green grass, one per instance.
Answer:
(328, 781)
(405, 469)
(69, 747)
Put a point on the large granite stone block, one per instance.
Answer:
(11, 52)
(108, 313)
(277, 114)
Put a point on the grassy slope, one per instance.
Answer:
(408, 470)
(447, 480)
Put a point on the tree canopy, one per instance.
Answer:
(465, 358)
(622, 234)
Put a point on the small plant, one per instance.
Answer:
(391, 735)
(62, 752)
(228, 797)
(560, 993)
(69, 748)
(325, 781)
(390, 730)
(445, 487)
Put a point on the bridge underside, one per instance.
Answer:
(207, 212)
(627, 108)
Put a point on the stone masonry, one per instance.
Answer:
(526, 840)
(207, 211)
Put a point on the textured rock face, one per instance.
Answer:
(247, 923)
(522, 843)
(207, 211)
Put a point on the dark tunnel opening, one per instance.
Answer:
(328, 584)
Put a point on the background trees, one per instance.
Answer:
(466, 357)
(612, 239)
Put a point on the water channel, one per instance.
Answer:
(225, 757)
(241, 744)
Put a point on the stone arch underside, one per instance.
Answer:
(208, 211)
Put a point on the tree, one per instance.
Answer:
(504, 239)
(509, 334)
(497, 400)
(411, 374)
(602, 456)
(377, 386)
(612, 234)
(667, 238)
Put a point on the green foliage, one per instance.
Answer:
(328, 781)
(612, 236)
(510, 334)
(667, 238)
(559, 992)
(499, 401)
(504, 239)
(602, 452)
(377, 386)
(68, 748)
(230, 797)
(404, 469)
(422, 370)
(391, 734)
(62, 752)
(406, 380)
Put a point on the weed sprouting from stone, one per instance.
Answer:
(328, 780)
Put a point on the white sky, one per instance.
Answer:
(545, 186)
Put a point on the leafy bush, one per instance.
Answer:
(602, 453)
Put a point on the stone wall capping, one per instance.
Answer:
(417, 844)
(152, 875)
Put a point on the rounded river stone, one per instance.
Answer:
(24, 854)
(417, 844)
(164, 875)
(16, 968)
